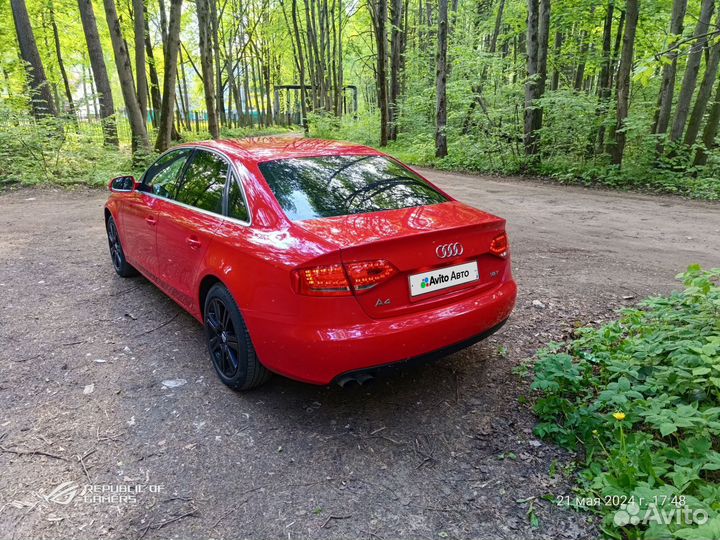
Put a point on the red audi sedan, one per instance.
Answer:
(318, 260)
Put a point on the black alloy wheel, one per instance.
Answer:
(120, 264)
(229, 344)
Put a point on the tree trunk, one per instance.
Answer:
(669, 71)
(532, 77)
(555, 82)
(163, 23)
(379, 16)
(611, 82)
(301, 69)
(492, 46)
(704, 93)
(543, 42)
(310, 39)
(100, 75)
(537, 47)
(268, 91)
(172, 45)
(623, 80)
(140, 73)
(61, 64)
(396, 39)
(246, 89)
(219, 94)
(710, 131)
(339, 62)
(584, 47)
(155, 97)
(255, 77)
(140, 143)
(441, 149)
(604, 87)
(234, 92)
(477, 88)
(324, 54)
(691, 70)
(93, 93)
(183, 93)
(86, 97)
(206, 64)
(42, 103)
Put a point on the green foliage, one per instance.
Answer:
(59, 151)
(56, 151)
(499, 150)
(485, 89)
(641, 397)
(364, 130)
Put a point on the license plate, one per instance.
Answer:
(443, 278)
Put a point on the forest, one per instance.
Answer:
(623, 93)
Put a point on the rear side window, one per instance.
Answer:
(203, 183)
(309, 188)
(162, 176)
(237, 209)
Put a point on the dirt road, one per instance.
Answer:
(440, 451)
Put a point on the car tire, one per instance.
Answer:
(117, 255)
(231, 350)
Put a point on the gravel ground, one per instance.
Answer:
(114, 425)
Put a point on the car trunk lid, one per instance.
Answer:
(418, 242)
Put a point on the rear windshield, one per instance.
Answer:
(320, 187)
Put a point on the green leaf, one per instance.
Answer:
(706, 531)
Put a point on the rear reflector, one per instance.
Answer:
(339, 280)
(499, 246)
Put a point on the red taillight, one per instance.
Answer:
(323, 281)
(365, 275)
(339, 280)
(499, 246)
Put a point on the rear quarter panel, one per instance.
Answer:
(255, 264)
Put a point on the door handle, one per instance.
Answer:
(151, 220)
(193, 242)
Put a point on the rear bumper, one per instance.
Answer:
(362, 374)
(320, 354)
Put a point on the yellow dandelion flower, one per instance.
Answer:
(619, 416)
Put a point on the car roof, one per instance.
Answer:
(259, 149)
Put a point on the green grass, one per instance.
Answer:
(639, 399)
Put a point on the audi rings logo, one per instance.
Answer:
(449, 250)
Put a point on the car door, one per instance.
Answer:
(187, 222)
(139, 214)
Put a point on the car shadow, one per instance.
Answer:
(423, 396)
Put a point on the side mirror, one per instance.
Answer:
(122, 184)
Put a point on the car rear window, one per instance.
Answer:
(320, 187)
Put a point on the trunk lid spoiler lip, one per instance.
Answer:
(345, 232)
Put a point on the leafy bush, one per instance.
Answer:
(364, 130)
(487, 141)
(641, 398)
(61, 152)
(55, 151)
